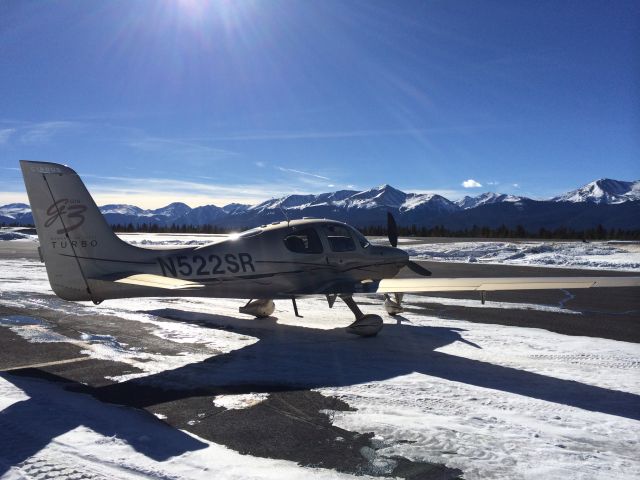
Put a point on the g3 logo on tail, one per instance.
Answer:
(73, 215)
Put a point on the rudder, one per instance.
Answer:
(72, 231)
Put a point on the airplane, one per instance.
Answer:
(86, 260)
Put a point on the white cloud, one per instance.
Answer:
(471, 183)
(43, 131)
(5, 133)
(178, 147)
(13, 197)
(516, 185)
(157, 192)
(282, 169)
(310, 135)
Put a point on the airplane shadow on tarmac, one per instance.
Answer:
(290, 357)
(287, 358)
(28, 426)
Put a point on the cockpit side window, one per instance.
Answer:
(303, 241)
(339, 238)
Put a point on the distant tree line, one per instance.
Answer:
(562, 233)
(173, 228)
(598, 233)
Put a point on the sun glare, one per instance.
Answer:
(227, 11)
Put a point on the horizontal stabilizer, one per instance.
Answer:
(152, 281)
(415, 285)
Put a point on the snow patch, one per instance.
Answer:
(96, 440)
(9, 236)
(596, 255)
(31, 329)
(238, 402)
(468, 303)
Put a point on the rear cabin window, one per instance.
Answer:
(303, 241)
(340, 239)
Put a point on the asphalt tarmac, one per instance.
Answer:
(290, 424)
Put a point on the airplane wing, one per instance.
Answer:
(152, 281)
(415, 285)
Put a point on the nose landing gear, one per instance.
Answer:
(261, 308)
(365, 325)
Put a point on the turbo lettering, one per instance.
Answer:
(74, 243)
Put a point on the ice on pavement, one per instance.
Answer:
(424, 387)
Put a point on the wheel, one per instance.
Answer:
(366, 326)
(259, 308)
(392, 307)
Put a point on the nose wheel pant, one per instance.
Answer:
(365, 325)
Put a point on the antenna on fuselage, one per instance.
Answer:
(285, 214)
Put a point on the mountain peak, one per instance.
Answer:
(16, 205)
(386, 188)
(603, 191)
(232, 208)
(486, 198)
(419, 201)
(384, 195)
(122, 209)
(174, 209)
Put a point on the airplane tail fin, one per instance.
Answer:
(75, 240)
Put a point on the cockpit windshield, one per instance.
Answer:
(362, 240)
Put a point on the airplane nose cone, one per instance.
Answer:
(393, 260)
(403, 257)
(397, 255)
(392, 252)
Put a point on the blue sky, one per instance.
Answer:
(220, 101)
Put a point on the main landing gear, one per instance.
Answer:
(365, 325)
(393, 307)
(261, 308)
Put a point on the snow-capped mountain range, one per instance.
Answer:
(605, 191)
(486, 199)
(586, 207)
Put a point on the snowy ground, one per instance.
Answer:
(609, 255)
(594, 255)
(494, 401)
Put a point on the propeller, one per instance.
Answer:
(392, 232)
(419, 269)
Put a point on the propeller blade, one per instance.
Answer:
(392, 230)
(419, 269)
